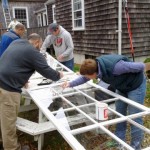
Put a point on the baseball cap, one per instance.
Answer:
(52, 27)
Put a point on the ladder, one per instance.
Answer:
(6, 12)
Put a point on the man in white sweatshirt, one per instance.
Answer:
(62, 43)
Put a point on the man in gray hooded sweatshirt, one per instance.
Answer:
(62, 43)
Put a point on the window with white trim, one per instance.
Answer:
(39, 20)
(54, 13)
(78, 17)
(44, 18)
(20, 13)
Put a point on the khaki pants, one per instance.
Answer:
(9, 106)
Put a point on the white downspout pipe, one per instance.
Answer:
(120, 27)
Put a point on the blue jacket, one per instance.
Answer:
(6, 39)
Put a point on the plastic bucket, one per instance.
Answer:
(101, 111)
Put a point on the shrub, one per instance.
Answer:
(147, 60)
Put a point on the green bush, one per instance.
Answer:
(147, 72)
(76, 67)
(147, 60)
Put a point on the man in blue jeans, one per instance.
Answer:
(63, 45)
(127, 78)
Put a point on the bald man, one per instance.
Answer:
(17, 64)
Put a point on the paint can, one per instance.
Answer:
(101, 111)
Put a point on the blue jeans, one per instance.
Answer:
(137, 95)
(69, 64)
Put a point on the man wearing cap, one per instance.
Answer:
(62, 43)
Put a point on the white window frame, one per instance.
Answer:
(39, 19)
(26, 13)
(83, 16)
(44, 15)
(85, 90)
(54, 13)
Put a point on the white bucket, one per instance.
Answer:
(101, 111)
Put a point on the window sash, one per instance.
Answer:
(20, 13)
(78, 19)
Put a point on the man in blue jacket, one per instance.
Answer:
(127, 78)
(10, 36)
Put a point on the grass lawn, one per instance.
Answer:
(76, 68)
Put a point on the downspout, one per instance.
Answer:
(120, 27)
(46, 13)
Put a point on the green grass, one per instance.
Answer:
(76, 67)
(147, 98)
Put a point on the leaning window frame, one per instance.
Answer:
(83, 17)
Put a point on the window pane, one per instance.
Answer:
(77, 1)
(20, 15)
(78, 23)
(24, 22)
(77, 6)
(78, 10)
(77, 15)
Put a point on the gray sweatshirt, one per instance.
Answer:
(63, 44)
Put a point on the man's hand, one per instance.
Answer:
(60, 58)
(61, 74)
(65, 85)
(26, 85)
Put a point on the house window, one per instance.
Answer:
(44, 19)
(78, 18)
(39, 20)
(54, 13)
(20, 13)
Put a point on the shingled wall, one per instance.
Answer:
(101, 22)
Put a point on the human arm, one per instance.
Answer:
(80, 80)
(26, 85)
(41, 66)
(128, 67)
(69, 46)
(46, 44)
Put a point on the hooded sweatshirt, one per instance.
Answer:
(62, 43)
